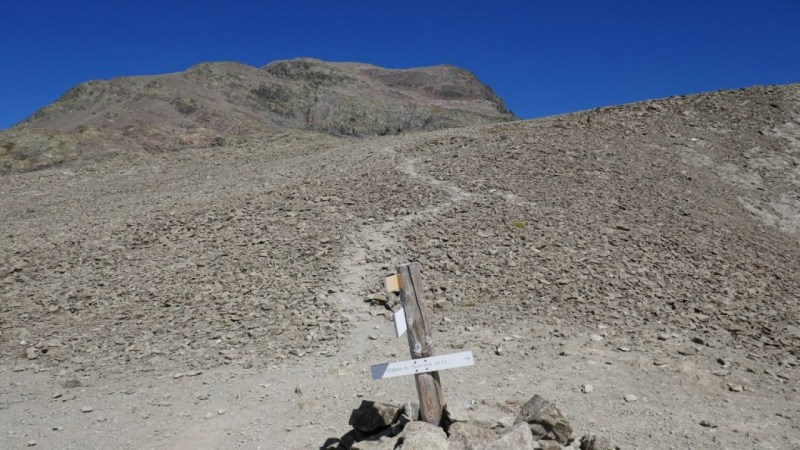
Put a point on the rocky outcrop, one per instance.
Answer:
(217, 104)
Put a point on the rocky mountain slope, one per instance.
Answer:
(226, 103)
(651, 250)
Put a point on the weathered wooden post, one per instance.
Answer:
(420, 342)
(414, 318)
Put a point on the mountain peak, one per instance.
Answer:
(215, 103)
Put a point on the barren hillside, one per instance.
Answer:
(218, 104)
(651, 248)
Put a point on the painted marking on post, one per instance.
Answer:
(422, 365)
(392, 283)
(400, 325)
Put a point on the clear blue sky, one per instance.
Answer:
(542, 57)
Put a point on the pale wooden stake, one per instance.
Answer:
(420, 342)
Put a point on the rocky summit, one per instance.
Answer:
(216, 104)
(635, 265)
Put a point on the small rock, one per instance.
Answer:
(498, 350)
(630, 398)
(735, 387)
(593, 442)
(545, 444)
(31, 443)
(177, 375)
(442, 304)
(209, 415)
(376, 299)
(707, 424)
(595, 337)
(372, 337)
(411, 411)
(57, 395)
(86, 409)
(384, 443)
(587, 388)
(624, 349)
(71, 383)
(32, 353)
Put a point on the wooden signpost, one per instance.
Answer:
(414, 317)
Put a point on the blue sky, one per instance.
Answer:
(542, 58)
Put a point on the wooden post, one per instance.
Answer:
(420, 342)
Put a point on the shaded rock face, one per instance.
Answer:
(215, 104)
(372, 416)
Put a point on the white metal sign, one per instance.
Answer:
(422, 365)
(400, 325)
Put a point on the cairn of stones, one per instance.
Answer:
(536, 425)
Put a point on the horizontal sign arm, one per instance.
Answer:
(422, 365)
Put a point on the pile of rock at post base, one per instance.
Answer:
(538, 424)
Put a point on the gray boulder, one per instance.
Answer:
(594, 442)
(545, 420)
(469, 436)
(422, 436)
(371, 416)
(519, 437)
